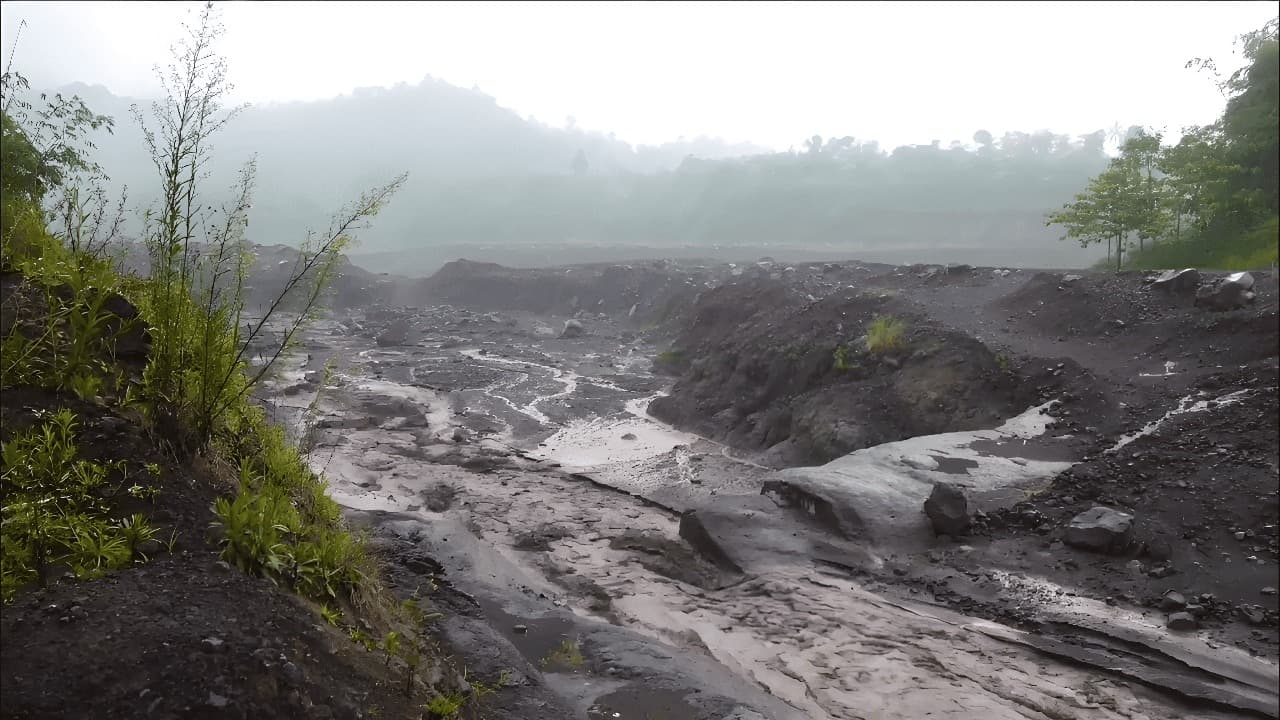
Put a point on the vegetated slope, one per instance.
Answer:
(134, 615)
(763, 367)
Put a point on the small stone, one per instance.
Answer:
(216, 700)
(1240, 535)
(1172, 601)
(521, 629)
(1268, 590)
(212, 645)
(629, 436)
(292, 673)
(1181, 621)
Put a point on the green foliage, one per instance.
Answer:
(391, 645)
(445, 706)
(841, 357)
(564, 656)
(194, 391)
(72, 349)
(885, 334)
(1212, 199)
(135, 531)
(198, 256)
(55, 510)
(331, 615)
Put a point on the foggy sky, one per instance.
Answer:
(768, 73)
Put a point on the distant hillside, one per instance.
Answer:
(482, 175)
(313, 156)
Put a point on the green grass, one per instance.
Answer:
(671, 356)
(54, 509)
(1252, 250)
(565, 655)
(885, 334)
(840, 358)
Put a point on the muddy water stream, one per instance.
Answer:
(813, 637)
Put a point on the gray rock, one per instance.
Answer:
(1182, 621)
(629, 436)
(1070, 278)
(1178, 281)
(397, 333)
(1253, 614)
(1100, 529)
(1243, 278)
(572, 329)
(1173, 601)
(1231, 293)
(948, 510)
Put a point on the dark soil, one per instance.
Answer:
(763, 367)
(754, 368)
(182, 635)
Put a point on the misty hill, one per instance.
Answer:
(482, 175)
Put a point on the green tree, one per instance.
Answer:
(1102, 213)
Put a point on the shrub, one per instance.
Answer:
(885, 334)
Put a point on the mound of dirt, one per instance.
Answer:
(762, 367)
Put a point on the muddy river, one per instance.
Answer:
(531, 468)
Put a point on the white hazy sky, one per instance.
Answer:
(772, 73)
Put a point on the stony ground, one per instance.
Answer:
(488, 426)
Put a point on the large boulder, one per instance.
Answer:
(747, 533)
(572, 329)
(1179, 282)
(1233, 291)
(948, 510)
(1100, 529)
(397, 333)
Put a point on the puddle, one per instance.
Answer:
(541, 637)
(953, 466)
(588, 444)
(637, 703)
